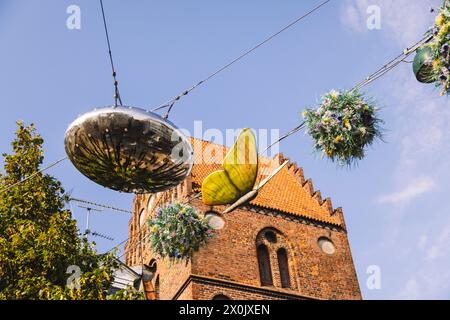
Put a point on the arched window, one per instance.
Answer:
(142, 218)
(221, 297)
(283, 265)
(147, 276)
(265, 272)
(153, 266)
(274, 251)
(150, 203)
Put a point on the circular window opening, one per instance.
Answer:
(271, 236)
(214, 220)
(326, 245)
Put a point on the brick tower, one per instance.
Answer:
(287, 243)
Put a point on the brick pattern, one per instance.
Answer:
(230, 257)
(202, 291)
(288, 191)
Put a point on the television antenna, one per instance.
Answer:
(87, 230)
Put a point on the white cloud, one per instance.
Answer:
(440, 246)
(433, 253)
(351, 16)
(414, 189)
(403, 20)
(430, 276)
(423, 239)
(411, 291)
(419, 129)
(417, 123)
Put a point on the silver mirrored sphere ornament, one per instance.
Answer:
(129, 149)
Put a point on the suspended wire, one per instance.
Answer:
(134, 246)
(33, 175)
(392, 64)
(117, 245)
(170, 104)
(395, 62)
(99, 205)
(290, 133)
(376, 75)
(117, 97)
(368, 80)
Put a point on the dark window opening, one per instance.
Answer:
(221, 297)
(264, 265)
(283, 265)
(271, 236)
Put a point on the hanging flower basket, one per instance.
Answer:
(343, 126)
(177, 232)
(440, 49)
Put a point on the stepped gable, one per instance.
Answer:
(287, 192)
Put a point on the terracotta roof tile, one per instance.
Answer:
(285, 192)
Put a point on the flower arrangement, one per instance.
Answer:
(177, 232)
(343, 126)
(440, 47)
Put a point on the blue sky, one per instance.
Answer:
(394, 201)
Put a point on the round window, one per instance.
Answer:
(271, 236)
(215, 221)
(326, 245)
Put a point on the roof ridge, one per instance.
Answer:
(322, 208)
(308, 186)
(279, 156)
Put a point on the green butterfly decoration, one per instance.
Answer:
(235, 183)
(240, 168)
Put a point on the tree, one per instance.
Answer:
(39, 239)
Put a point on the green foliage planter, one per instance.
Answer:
(423, 65)
(177, 231)
(440, 49)
(343, 126)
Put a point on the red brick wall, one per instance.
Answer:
(187, 293)
(172, 277)
(231, 256)
(202, 291)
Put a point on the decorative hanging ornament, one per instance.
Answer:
(439, 50)
(128, 149)
(177, 231)
(423, 65)
(238, 176)
(343, 126)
